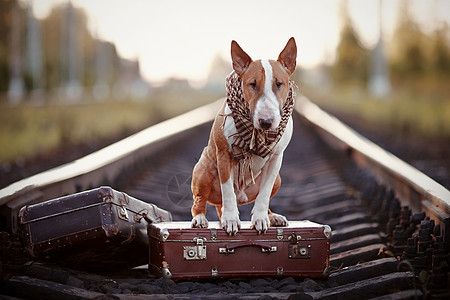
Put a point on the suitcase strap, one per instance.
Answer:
(265, 247)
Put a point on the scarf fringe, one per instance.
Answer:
(245, 164)
(225, 119)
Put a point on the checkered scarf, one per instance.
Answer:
(250, 140)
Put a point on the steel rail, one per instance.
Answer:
(113, 152)
(412, 187)
(102, 166)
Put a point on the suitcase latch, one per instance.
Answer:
(197, 252)
(123, 214)
(294, 239)
(280, 234)
(213, 234)
(296, 250)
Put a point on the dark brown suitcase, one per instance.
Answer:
(97, 230)
(179, 252)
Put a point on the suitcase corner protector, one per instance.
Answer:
(164, 234)
(327, 231)
(106, 193)
(29, 249)
(23, 213)
(165, 272)
(326, 272)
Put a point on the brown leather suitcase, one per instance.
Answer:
(97, 230)
(179, 252)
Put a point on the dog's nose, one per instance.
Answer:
(265, 123)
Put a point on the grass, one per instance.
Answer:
(28, 130)
(419, 109)
(415, 110)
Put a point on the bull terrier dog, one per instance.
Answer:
(242, 160)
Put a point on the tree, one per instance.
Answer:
(351, 56)
(5, 27)
(69, 50)
(440, 52)
(408, 57)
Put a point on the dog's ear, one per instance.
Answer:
(288, 56)
(240, 59)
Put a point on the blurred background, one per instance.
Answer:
(78, 75)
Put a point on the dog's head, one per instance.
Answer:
(265, 83)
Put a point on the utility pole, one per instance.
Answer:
(16, 85)
(379, 84)
(35, 54)
(71, 62)
(103, 62)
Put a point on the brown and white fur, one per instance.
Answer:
(265, 86)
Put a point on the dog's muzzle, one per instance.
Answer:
(265, 123)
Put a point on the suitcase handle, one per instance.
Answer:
(265, 247)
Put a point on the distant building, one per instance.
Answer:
(129, 82)
(219, 70)
(318, 77)
(379, 85)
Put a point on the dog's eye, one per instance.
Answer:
(278, 84)
(253, 85)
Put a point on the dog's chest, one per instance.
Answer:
(257, 163)
(230, 131)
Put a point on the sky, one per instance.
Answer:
(180, 38)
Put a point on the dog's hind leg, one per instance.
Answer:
(219, 211)
(198, 212)
(277, 219)
(276, 186)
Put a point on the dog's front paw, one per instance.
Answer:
(260, 221)
(199, 221)
(277, 220)
(230, 222)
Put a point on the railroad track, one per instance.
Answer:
(391, 225)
